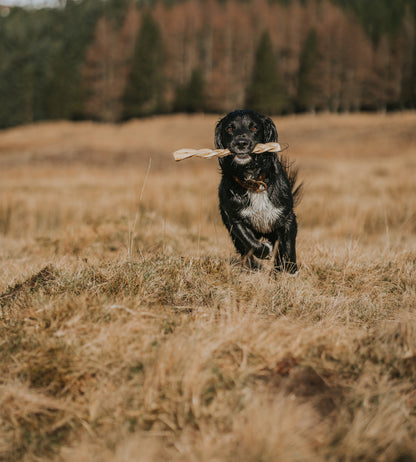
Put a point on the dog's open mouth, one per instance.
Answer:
(242, 158)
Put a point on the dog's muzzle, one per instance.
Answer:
(242, 149)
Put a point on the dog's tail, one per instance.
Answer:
(292, 175)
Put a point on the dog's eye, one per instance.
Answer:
(229, 130)
(253, 129)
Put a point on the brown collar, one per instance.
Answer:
(253, 185)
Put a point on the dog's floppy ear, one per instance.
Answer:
(218, 133)
(270, 131)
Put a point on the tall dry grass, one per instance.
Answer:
(129, 331)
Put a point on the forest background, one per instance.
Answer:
(117, 59)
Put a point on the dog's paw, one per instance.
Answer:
(265, 250)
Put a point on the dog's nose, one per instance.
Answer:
(242, 143)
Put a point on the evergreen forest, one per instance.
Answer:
(112, 60)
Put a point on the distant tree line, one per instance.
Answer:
(111, 60)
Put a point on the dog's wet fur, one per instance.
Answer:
(262, 223)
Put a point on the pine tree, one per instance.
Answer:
(308, 77)
(27, 47)
(145, 85)
(191, 97)
(65, 97)
(266, 92)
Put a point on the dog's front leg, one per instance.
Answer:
(246, 243)
(285, 259)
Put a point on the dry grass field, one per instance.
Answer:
(129, 331)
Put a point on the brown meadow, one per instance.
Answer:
(129, 331)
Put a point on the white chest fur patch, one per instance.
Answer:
(261, 213)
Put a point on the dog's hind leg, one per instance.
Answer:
(285, 249)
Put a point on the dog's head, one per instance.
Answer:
(240, 131)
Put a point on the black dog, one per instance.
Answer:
(257, 191)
